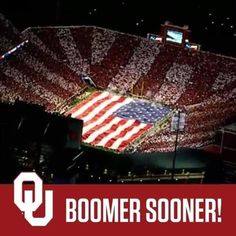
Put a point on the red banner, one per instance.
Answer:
(185, 210)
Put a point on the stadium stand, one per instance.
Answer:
(47, 71)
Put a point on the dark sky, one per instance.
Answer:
(213, 23)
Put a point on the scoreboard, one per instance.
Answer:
(175, 35)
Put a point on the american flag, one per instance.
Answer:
(114, 121)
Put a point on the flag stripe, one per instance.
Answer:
(89, 104)
(95, 108)
(93, 133)
(112, 127)
(95, 129)
(82, 103)
(100, 113)
(99, 107)
(115, 131)
(122, 134)
(130, 137)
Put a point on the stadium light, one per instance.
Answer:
(177, 125)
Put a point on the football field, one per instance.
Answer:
(113, 121)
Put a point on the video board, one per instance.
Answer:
(174, 36)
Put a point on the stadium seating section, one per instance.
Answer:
(48, 69)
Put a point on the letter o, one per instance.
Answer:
(95, 210)
(175, 210)
(163, 210)
(83, 210)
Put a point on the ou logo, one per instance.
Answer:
(28, 206)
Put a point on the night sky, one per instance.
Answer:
(213, 23)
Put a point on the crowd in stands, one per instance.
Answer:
(37, 75)
(175, 84)
(37, 42)
(71, 51)
(83, 37)
(47, 71)
(31, 84)
(101, 44)
(119, 52)
(149, 84)
(223, 80)
(8, 94)
(138, 66)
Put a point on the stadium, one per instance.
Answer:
(136, 96)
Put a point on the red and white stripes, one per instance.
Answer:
(101, 127)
